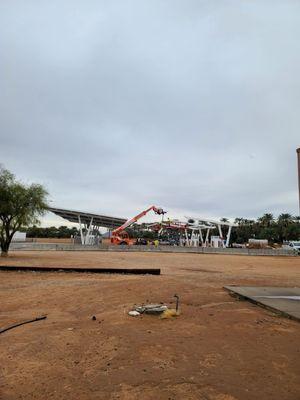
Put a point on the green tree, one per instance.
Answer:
(266, 220)
(224, 220)
(51, 232)
(20, 206)
(285, 227)
(285, 219)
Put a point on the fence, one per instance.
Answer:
(160, 249)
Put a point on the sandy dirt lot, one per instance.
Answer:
(218, 349)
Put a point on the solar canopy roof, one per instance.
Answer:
(86, 218)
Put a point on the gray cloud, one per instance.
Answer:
(189, 105)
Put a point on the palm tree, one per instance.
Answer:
(284, 222)
(239, 221)
(266, 220)
(224, 220)
(285, 218)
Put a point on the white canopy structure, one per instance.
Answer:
(200, 223)
(88, 222)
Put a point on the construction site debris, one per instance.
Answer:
(156, 309)
(134, 313)
(151, 309)
(169, 313)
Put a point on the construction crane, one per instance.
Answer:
(121, 237)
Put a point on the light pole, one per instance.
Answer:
(298, 156)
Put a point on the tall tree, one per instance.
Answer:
(224, 220)
(20, 206)
(285, 219)
(266, 220)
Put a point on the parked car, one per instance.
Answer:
(295, 245)
(141, 242)
(170, 242)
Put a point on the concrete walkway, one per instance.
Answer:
(283, 300)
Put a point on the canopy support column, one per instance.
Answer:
(80, 230)
(228, 236)
(221, 235)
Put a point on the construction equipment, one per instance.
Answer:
(121, 237)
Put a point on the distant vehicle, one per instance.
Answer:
(164, 243)
(295, 246)
(141, 242)
(170, 242)
(238, 245)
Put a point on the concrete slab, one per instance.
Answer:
(282, 300)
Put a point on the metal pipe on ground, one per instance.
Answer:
(136, 271)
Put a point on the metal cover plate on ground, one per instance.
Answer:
(283, 300)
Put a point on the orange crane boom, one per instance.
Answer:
(120, 236)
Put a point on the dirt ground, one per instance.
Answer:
(219, 348)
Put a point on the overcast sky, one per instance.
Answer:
(189, 105)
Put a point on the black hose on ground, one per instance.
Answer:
(22, 323)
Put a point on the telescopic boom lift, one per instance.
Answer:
(121, 237)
